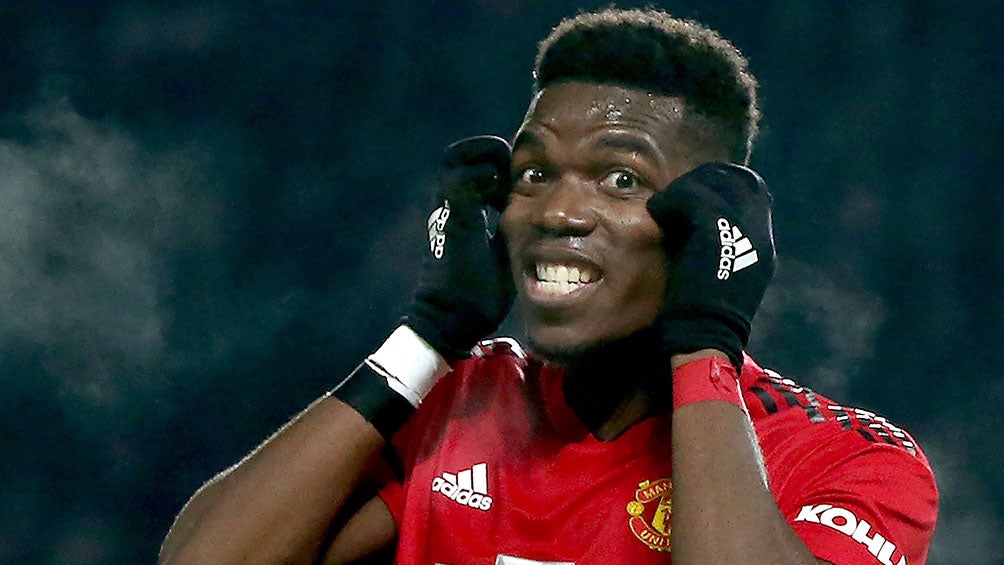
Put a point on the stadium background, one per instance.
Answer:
(209, 212)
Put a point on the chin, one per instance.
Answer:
(570, 348)
(558, 354)
(559, 344)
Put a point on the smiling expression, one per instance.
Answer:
(586, 255)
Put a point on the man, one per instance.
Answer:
(637, 431)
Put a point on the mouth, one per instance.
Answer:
(558, 282)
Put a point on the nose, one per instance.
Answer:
(567, 208)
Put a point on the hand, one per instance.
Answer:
(466, 287)
(716, 225)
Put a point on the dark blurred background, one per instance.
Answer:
(211, 211)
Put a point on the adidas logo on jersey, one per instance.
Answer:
(468, 487)
(737, 252)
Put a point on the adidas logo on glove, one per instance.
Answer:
(737, 252)
(437, 229)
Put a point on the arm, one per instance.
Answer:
(723, 511)
(278, 503)
(717, 232)
(287, 500)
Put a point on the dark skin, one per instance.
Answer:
(586, 159)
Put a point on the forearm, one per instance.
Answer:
(278, 503)
(723, 510)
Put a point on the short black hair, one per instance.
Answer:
(654, 51)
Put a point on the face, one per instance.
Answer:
(586, 256)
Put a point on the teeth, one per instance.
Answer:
(562, 279)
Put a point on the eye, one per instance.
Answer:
(621, 181)
(531, 175)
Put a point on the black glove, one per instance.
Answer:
(466, 287)
(716, 226)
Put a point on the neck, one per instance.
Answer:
(615, 385)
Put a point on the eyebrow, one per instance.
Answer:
(629, 143)
(526, 138)
(613, 141)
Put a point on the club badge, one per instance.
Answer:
(651, 513)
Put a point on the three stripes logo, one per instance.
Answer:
(737, 252)
(468, 487)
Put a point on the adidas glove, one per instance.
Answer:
(465, 291)
(466, 287)
(716, 225)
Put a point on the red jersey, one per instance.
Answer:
(499, 470)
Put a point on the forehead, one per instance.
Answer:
(580, 110)
(589, 101)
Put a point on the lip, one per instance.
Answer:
(561, 256)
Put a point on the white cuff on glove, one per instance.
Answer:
(410, 365)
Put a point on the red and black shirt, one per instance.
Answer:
(499, 470)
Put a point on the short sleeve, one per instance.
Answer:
(418, 432)
(855, 502)
(390, 486)
(392, 494)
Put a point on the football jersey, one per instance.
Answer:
(497, 469)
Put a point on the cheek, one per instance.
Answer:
(515, 210)
(512, 225)
(643, 255)
(636, 233)
(508, 223)
(506, 220)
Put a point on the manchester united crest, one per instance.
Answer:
(651, 513)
